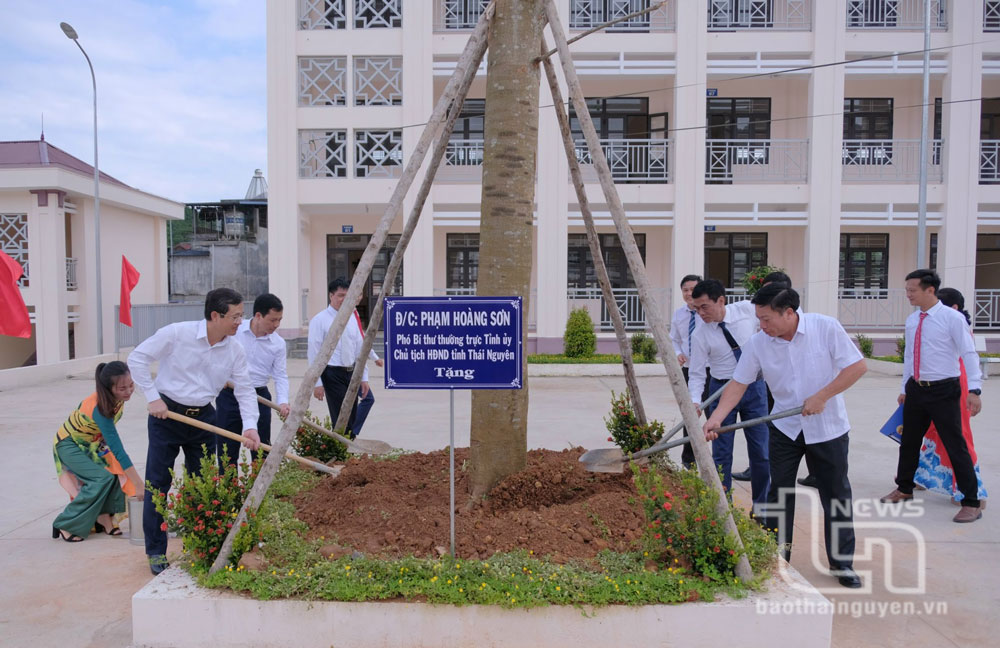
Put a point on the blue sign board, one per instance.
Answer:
(346, 229)
(711, 92)
(453, 342)
(710, 228)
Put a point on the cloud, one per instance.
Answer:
(181, 89)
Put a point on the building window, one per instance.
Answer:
(933, 251)
(936, 151)
(728, 257)
(322, 14)
(378, 153)
(378, 80)
(891, 14)
(14, 241)
(465, 147)
(991, 15)
(732, 123)
(378, 14)
(462, 262)
(323, 81)
(867, 132)
(463, 14)
(322, 154)
(987, 263)
(344, 252)
(864, 261)
(585, 14)
(615, 118)
(633, 140)
(733, 14)
(580, 268)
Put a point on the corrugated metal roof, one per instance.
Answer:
(39, 153)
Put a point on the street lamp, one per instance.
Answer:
(73, 36)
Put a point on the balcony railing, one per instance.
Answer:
(631, 160)
(989, 162)
(991, 15)
(895, 14)
(464, 153)
(457, 15)
(889, 161)
(737, 161)
(987, 311)
(873, 308)
(587, 14)
(532, 300)
(71, 273)
(730, 15)
(627, 301)
(734, 295)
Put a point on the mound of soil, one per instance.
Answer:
(397, 508)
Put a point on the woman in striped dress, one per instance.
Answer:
(85, 445)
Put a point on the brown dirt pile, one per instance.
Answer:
(396, 508)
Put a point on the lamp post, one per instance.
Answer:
(73, 36)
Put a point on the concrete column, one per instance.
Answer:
(826, 97)
(418, 103)
(960, 130)
(688, 159)
(286, 252)
(552, 197)
(47, 267)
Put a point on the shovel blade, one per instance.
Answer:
(369, 446)
(607, 460)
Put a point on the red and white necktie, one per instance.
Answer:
(357, 318)
(916, 348)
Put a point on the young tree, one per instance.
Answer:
(499, 429)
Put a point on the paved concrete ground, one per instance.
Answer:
(53, 593)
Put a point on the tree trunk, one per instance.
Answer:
(499, 428)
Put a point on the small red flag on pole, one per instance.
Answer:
(130, 277)
(14, 320)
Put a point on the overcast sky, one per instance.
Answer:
(180, 89)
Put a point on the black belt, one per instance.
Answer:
(929, 383)
(260, 390)
(180, 408)
(351, 368)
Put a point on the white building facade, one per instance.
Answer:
(737, 135)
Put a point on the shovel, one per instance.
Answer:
(612, 460)
(315, 465)
(357, 446)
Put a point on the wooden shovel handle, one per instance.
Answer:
(208, 427)
(309, 424)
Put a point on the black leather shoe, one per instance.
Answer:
(742, 476)
(847, 577)
(158, 564)
(808, 480)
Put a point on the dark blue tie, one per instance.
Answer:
(731, 340)
(691, 324)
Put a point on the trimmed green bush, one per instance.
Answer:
(865, 344)
(643, 348)
(579, 340)
(900, 346)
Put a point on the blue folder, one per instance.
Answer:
(893, 428)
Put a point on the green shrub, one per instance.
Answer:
(643, 348)
(202, 508)
(753, 279)
(579, 340)
(311, 443)
(866, 344)
(626, 432)
(900, 346)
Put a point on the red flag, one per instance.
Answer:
(130, 277)
(14, 320)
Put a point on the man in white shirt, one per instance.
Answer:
(936, 337)
(682, 327)
(718, 344)
(336, 378)
(196, 359)
(807, 359)
(266, 354)
(367, 400)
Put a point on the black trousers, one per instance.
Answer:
(335, 382)
(827, 461)
(227, 416)
(167, 437)
(687, 454)
(940, 404)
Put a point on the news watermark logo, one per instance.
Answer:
(880, 529)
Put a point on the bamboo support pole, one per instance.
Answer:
(593, 241)
(473, 51)
(702, 453)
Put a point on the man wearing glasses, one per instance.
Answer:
(196, 359)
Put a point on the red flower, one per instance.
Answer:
(610, 439)
(667, 495)
(163, 527)
(667, 506)
(716, 549)
(732, 553)
(657, 536)
(216, 502)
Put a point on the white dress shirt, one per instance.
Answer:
(266, 358)
(348, 346)
(797, 369)
(191, 371)
(709, 347)
(679, 324)
(944, 338)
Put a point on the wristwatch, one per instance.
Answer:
(977, 392)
